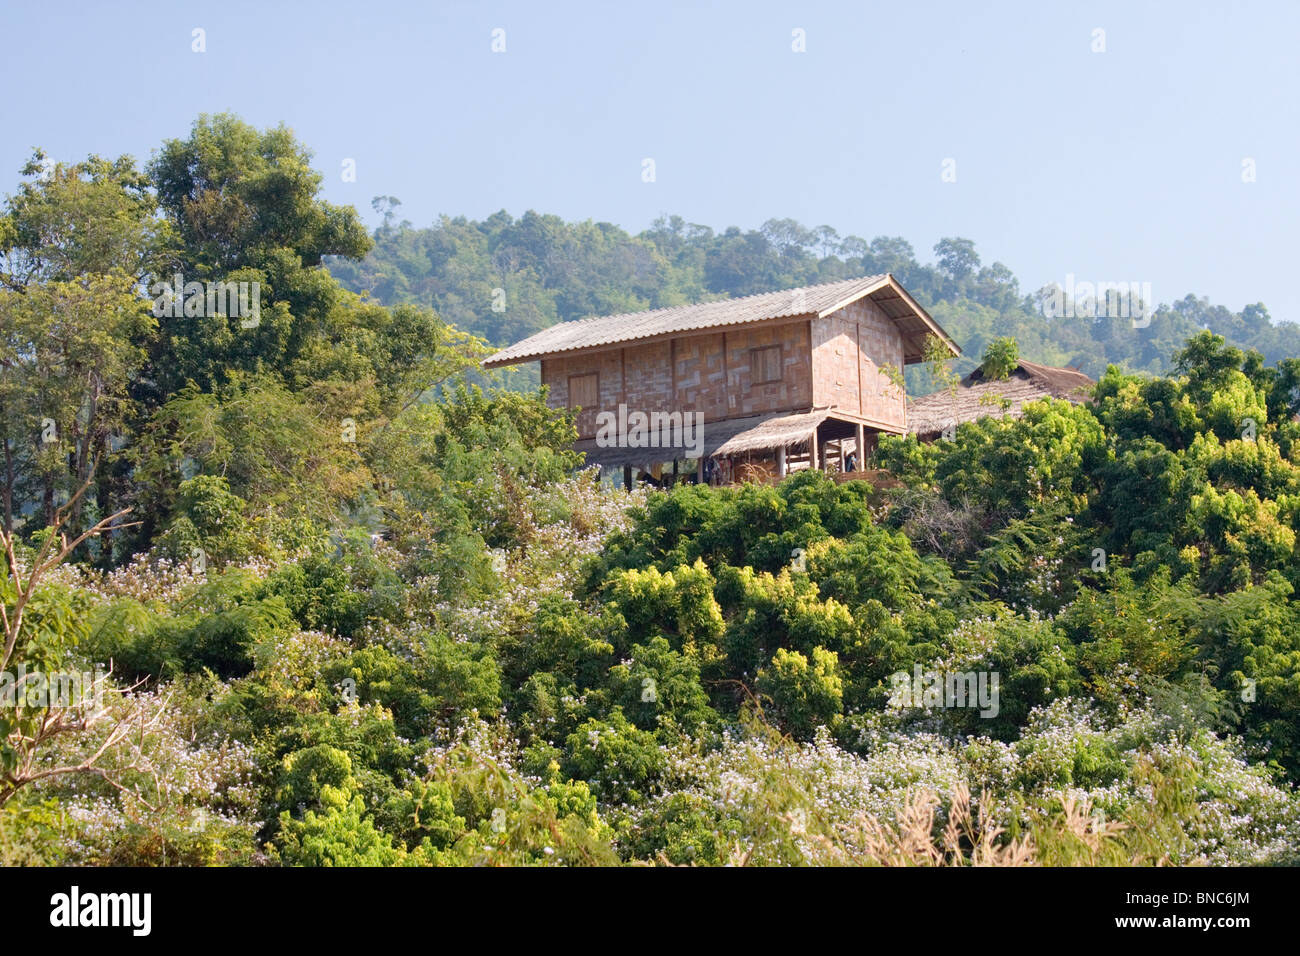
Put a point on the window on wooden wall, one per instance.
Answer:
(584, 390)
(765, 364)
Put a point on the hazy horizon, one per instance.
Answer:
(1124, 164)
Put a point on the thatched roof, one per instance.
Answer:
(1067, 383)
(977, 396)
(783, 431)
(733, 436)
(821, 300)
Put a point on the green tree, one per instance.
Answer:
(1001, 358)
(244, 207)
(68, 354)
(805, 692)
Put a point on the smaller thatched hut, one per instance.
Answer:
(977, 396)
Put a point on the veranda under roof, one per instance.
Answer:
(734, 436)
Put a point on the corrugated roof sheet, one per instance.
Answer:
(633, 326)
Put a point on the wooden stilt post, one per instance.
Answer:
(862, 448)
(813, 451)
(627, 477)
(699, 470)
(780, 462)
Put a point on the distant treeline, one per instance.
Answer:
(505, 278)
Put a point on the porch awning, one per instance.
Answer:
(769, 434)
(733, 436)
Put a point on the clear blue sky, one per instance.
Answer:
(1122, 165)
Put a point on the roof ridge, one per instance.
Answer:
(816, 300)
(1036, 370)
(738, 298)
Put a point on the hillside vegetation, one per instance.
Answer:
(353, 610)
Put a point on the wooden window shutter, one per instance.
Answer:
(584, 390)
(766, 364)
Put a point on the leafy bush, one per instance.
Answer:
(806, 693)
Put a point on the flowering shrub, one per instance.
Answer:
(502, 662)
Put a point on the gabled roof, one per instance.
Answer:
(977, 396)
(1060, 382)
(819, 300)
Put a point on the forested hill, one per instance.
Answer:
(341, 610)
(549, 270)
